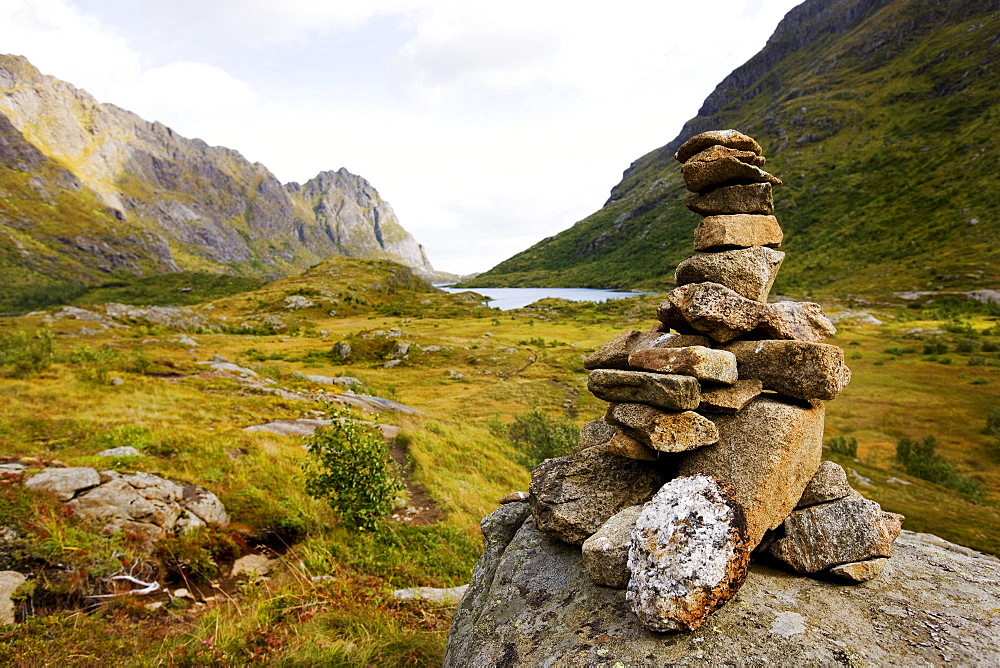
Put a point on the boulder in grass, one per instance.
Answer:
(665, 432)
(728, 200)
(712, 309)
(748, 271)
(728, 138)
(729, 398)
(605, 554)
(798, 369)
(741, 230)
(799, 321)
(696, 361)
(689, 554)
(669, 391)
(64, 484)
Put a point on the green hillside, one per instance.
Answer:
(880, 116)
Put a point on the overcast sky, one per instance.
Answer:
(487, 125)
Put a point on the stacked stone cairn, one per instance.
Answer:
(711, 445)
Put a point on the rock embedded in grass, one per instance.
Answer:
(740, 230)
(664, 431)
(698, 362)
(755, 198)
(65, 483)
(749, 272)
(669, 391)
(799, 369)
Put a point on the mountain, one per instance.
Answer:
(881, 118)
(90, 191)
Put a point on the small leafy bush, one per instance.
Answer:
(935, 348)
(349, 468)
(22, 355)
(922, 460)
(842, 445)
(539, 437)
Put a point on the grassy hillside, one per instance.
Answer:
(879, 116)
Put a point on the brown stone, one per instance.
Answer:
(712, 309)
(728, 138)
(740, 230)
(513, 497)
(795, 368)
(696, 361)
(748, 271)
(729, 399)
(668, 391)
(800, 321)
(718, 151)
(729, 200)
(666, 432)
(860, 571)
(712, 167)
(828, 484)
(767, 453)
(605, 554)
(624, 445)
(614, 354)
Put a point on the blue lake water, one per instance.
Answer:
(506, 299)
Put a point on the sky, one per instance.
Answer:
(487, 126)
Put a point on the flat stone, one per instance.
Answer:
(668, 391)
(123, 451)
(594, 433)
(800, 321)
(839, 532)
(728, 200)
(749, 272)
(514, 497)
(860, 571)
(252, 564)
(741, 230)
(695, 361)
(715, 166)
(605, 554)
(614, 354)
(449, 596)
(572, 496)
(712, 309)
(624, 445)
(766, 453)
(689, 554)
(118, 500)
(828, 484)
(9, 582)
(64, 483)
(799, 369)
(665, 432)
(728, 138)
(729, 399)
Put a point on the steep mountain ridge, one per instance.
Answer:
(135, 196)
(879, 116)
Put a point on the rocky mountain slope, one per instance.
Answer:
(89, 189)
(880, 118)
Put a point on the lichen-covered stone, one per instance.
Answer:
(797, 369)
(728, 200)
(668, 391)
(666, 432)
(689, 554)
(840, 532)
(800, 321)
(712, 309)
(605, 554)
(572, 496)
(828, 484)
(696, 361)
(860, 571)
(729, 399)
(749, 272)
(741, 230)
(766, 453)
(728, 138)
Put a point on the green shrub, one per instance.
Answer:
(22, 355)
(539, 437)
(349, 467)
(842, 445)
(922, 460)
(935, 348)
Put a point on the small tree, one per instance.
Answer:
(349, 467)
(539, 437)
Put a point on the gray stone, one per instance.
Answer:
(712, 309)
(828, 484)
(605, 554)
(205, 505)
(341, 350)
(696, 361)
(594, 433)
(728, 138)
(749, 272)
(835, 533)
(665, 432)
(449, 596)
(729, 200)
(64, 483)
(667, 391)
(740, 230)
(614, 354)
(800, 321)
(9, 582)
(797, 369)
(719, 165)
(766, 453)
(689, 554)
(729, 399)
(123, 451)
(530, 603)
(571, 497)
(252, 565)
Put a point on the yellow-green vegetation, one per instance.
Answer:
(494, 390)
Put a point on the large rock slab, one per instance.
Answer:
(712, 309)
(669, 391)
(740, 230)
(728, 200)
(530, 603)
(767, 453)
(800, 321)
(729, 138)
(689, 554)
(797, 369)
(614, 354)
(572, 496)
(605, 554)
(696, 361)
(749, 272)
(720, 165)
(665, 432)
(64, 484)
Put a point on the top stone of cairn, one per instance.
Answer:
(729, 138)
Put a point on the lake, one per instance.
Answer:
(506, 299)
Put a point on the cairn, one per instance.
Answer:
(710, 449)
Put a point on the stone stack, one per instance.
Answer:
(712, 441)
